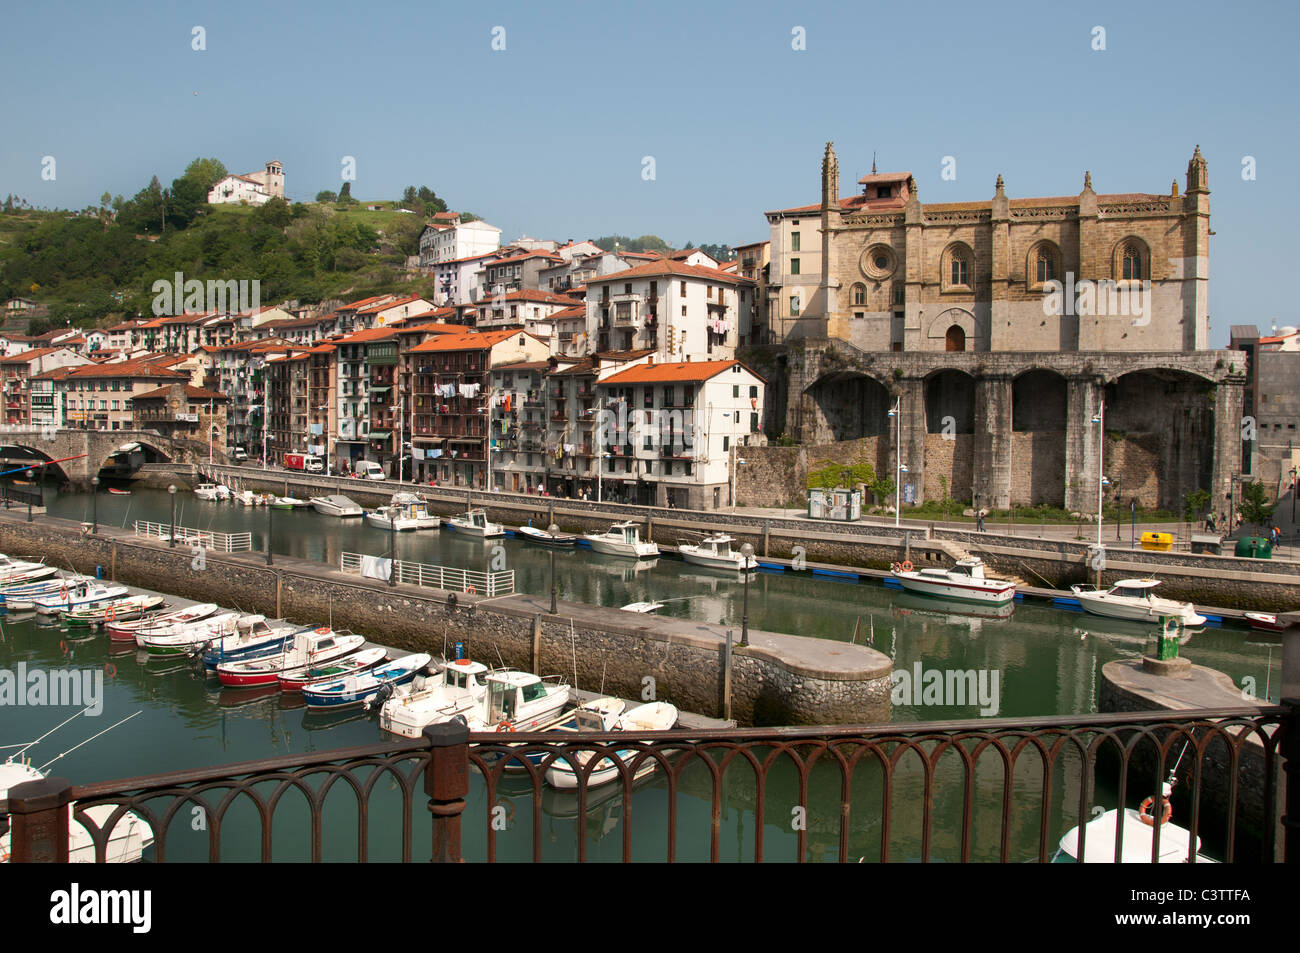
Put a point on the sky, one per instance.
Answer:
(541, 117)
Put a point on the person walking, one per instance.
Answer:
(979, 524)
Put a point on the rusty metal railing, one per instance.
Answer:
(990, 789)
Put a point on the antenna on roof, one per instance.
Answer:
(873, 161)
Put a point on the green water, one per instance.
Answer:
(1047, 661)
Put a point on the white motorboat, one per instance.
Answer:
(212, 492)
(1134, 599)
(519, 701)
(9, 565)
(1176, 843)
(406, 511)
(127, 840)
(78, 597)
(247, 498)
(715, 552)
(289, 503)
(643, 607)
(18, 572)
(335, 505)
(622, 539)
(542, 537)
(599, 714)
(653, 716)
(177, 637)
(963, 582)
(461, 687)
(312, 647)
(475, 523)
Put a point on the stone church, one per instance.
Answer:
(1009, 332)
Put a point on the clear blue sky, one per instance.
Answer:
(547, 136)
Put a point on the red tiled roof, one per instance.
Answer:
(691, 371)
(368, 334)
(470, 341)
(197, 393)
(666, 266)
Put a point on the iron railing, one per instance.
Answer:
(207, 538)
(1003, 790)
(447, 578)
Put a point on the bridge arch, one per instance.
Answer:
(129, 455)
(14, 454)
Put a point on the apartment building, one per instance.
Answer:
(441, 242)
(517, 426)
(180, 410)
(16, 373)
(367, 364)
(287, 404)
(530, 310)
(100, 396)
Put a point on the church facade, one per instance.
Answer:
(1023, 343)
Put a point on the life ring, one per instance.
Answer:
(471, 590)
(63, 646)
(111, 614)
(1166, 811)
(505, 726)
(110, 669)
(907, 565)
(462, 661)
(63, 593)
(323, 630)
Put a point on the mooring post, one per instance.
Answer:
(767, 532)
(446, 781)
(38, 812)
(726, 679)
(537, 642)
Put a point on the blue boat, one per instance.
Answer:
(359, 689)
(256, 640)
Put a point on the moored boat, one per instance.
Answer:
(714, 551)
(358, 689)
(133, 607)
(294, 680)
(1134, 599)
(406, 511)
(176, 637)
(122, 630)
(1265, 622)
(474, 522)
(78, 597)
(599, 714)
(23, 598)
(307, 647)
(460, 687)
(622, 539)
(541, 537)
(257, 637)
(212, 492)
(965, 581)
(116, 492)
(653, 716)
(336, 504)
(1176, 843)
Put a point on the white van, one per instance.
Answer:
(313, 464)
(369, 470)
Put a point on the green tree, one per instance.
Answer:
(1255, 507)
(205, 172)
(274, 213)
(325, 195)
(186, 200)
(1194, 504)
(345, 194)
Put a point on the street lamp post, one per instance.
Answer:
(553, 529)
(1100, 420)
(746, 551)
(94, 506)
(392, 548)
(896, 413)
(269, 511)
(171, 537)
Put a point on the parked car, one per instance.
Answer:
(238, 455)
(369, 470)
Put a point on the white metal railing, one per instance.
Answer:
(208, 539)
(500, 583)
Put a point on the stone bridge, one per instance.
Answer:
(1019, 428)
(118, 452)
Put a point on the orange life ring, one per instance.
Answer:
(471, 590)
(323, 630)
(907, 565)
(505, 726)
(63, 593)
(63, 646)
(111, 614)
(110, 669)
(1166, 811)
(462, 661)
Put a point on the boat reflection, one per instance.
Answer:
(952, 610)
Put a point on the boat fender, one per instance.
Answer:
(63, 646)
(907, 565)
(1166, 811)
(63, 593)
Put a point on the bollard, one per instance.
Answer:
(38, 812)
(446, 781)
(726, 679)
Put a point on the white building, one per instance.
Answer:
(671, 432)
(255, 188)
(444, 243)
(458, 278)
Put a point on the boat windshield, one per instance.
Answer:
(534, 691)
(501, 702)
(1131, 593)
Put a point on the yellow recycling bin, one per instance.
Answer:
(1158, 542)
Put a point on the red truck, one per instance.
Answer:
(307, 462)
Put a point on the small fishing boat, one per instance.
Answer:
(643, 607)
(599, 714)
(1265, 622)
(474, 522)
(964, 582)
(133, 607)
(178, 638)
(247, 498)
(23, 598)
(460, 688)
(78, 597)
(127, 840)
(1134, 599)
(406, 511)
(10, 565)
(22, 577)
(294, 680)
(308, 647)
(116, 492)
(212, 492)
(289, 503)
(336, 504)
(542, 537)
(519, 701)
(361, 688)
(622, 539)
(653, 716)
(714, 552)
(122, 630)
(1176, 843)
(256, 638)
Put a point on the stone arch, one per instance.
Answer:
(121, 462)
(1039, 400)
(937, 330)
(14, 455)
(1160, 437)
(1131, 245)
(955, 338)
(1042, 253)
(950, 394)
(848, 406)
(950, 279)
(949, 435)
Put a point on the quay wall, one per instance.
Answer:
(776, 680)
(1225, 581)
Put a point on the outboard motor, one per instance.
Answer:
(385, 692)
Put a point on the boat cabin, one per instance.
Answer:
(463, 674)
(477, 518)
(628, 532)
(509, 692)
(1134, 588)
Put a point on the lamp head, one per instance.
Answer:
(171, 488)
(747, 550)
